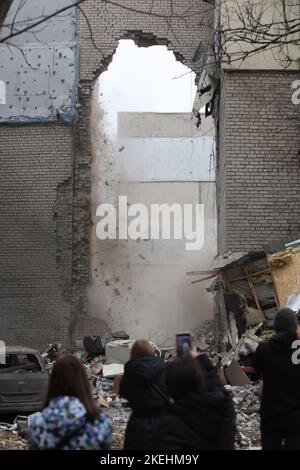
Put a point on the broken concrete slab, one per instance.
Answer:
(118, 351)
(111, 370)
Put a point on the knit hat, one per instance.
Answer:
(285, 320)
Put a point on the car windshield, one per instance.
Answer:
(20, 363)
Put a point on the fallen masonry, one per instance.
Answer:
(246, 397)
(247, 401)
(249, 289)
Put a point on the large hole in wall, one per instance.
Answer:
(147, 148)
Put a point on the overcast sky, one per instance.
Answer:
(143, 79)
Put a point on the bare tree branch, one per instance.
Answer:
(4, 7)
(90, 30)
(42, 19)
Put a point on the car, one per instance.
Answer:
(23, 380)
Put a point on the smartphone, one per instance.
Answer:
(183, 343)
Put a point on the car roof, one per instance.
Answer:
(20, 349)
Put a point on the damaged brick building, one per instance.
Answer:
(45, 151)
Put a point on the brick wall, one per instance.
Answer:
(258, 176)
(35, 233)
(183, 30)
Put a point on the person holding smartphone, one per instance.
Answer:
(202, 415)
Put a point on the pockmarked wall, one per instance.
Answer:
(39, 68)
(38, 98)
(46, 81)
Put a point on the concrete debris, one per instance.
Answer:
(18, 425)
(102, 402)
(112, 370)
(96, 367)
(246, 400)
(247, 342)
(168, 354)
(12, 441)
(12, 434)
(204, 339)
(105, 376)
(249, 345)
(120, 335)
(52, 352)
(115, 407)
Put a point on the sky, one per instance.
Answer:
(143, 79)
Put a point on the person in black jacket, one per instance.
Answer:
(202, 415)
(143, 386)
(280, 405)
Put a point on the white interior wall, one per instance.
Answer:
(142, 286)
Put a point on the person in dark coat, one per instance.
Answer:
(143, 386)
(202, 415)
(280, 405)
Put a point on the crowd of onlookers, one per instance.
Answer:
(180, 405)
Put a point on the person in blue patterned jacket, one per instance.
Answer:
(70, 419)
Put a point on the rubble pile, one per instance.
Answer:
(247, 402)
(115, 407)
(11, 434)
(100, 358)
(10, 440)
(204, 337)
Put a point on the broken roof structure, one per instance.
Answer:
(249, 288)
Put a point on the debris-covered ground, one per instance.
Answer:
(247, 401)
(246, 397)
(117, 410)
(10, 438)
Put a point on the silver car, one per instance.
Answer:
(23, 381)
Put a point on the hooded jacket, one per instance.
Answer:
(141, 377)
(66, 416)
(199, 422)
(281, 380)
